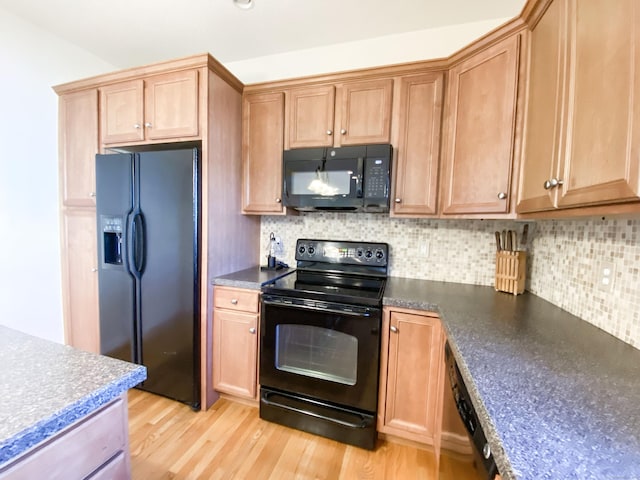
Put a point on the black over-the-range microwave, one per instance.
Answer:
(355, 179)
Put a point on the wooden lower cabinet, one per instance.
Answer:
(411, 375)
(235, 341)
(96, 447)
(80, 279)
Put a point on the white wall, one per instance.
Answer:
(387, 50)
(32, 61)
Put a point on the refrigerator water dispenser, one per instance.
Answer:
(111, 240)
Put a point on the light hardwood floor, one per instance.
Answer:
(230, 441)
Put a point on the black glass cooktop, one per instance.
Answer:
(331, 287)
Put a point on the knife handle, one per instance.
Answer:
(498, 243)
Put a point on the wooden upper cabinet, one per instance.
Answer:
(262, 147)
(480, 121)
(356, 113)
(78, 145)
(547, 65)
(365, 113)
(418, 145)
(603, 131)
(310, 114)
(156, 108)
(582, 143)
(122, 112)
(171, 105)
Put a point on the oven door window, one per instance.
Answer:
(317, 352)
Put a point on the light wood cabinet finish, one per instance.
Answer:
(365, 112)
(235, 342)
(480, 126)
(411, 373)
(78, 145)
(354, 113)
(310, 115)
(96, 446)
(594, 80)
(122, 112)
(155, 108)
(418, 146)
(262, 147)
(80, 279)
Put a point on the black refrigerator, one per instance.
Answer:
(148, 275)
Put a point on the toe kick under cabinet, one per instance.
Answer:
(236, 319)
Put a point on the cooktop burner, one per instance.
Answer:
(336, 271)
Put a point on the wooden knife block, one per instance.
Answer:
(511, 271)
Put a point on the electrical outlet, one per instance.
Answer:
(279, 247)
(605, 276)
(423, 249)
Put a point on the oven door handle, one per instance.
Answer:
(361, 424)
(319, 309)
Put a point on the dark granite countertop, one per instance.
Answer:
(557, 397)
(47, 386)
(251, 278)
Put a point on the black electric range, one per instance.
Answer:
(335, 271)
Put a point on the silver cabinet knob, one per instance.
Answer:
(502, 195)
(329, 132)
(137, 125)
(398, 200)
(552, 183)
(94, 269)
(252, 330)
(486, 451)
(92, 194)
(234, 301)
(148, 125)
(278, 200)
(394, 329)
(343, 131)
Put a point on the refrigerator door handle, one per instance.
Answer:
(135, 242)
(138, 243)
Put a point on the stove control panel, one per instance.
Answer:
(342, 252)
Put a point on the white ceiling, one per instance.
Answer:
(129, 33)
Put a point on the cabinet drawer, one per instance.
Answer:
(77, 451)
(115, 469)
(236, 299)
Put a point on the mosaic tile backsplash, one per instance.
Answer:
(565, 256)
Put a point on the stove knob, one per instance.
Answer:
(311, 250)
(379, 254)
(301, 249)
(368, 254)
(359, 253)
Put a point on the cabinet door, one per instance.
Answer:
(418, 146)
(480, 131)
(310, 117)
(542, 131)
(121, 112)
(411, 373)
(235, 353)
(171, 105)
(262, 146)
(365, 112)
(80, 279)
(603, 124)
(78, 147)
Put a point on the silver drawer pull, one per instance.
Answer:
(252, 330)
(234, 301)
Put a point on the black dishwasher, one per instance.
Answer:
(483, 457)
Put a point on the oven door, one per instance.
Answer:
(323, 351)
(317, 184)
